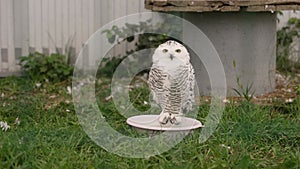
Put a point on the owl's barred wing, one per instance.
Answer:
(165, 90)
(157, 82)
(190, 96)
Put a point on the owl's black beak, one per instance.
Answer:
(171, 56)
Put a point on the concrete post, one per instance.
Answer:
(246, 43)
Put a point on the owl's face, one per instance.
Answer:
(171, 51)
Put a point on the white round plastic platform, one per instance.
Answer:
(150, 122)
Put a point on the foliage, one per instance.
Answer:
(108, 66)
(142, 39)
(40, 67)
(285, 38)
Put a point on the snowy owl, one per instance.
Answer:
(171, 81)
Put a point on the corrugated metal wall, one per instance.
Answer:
(48, 26)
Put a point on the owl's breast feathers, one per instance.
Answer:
(173, 91)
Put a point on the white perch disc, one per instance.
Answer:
(150, 122)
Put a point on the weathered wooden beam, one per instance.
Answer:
(218, 5)
(192, 8)
(272, 8)
(229, 2)
(267, 2)
(178, 3)
(160, 2)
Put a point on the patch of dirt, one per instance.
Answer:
(287, 89)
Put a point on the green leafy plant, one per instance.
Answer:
(142, 40)
(40, 67)
(145, 39)
(285, 38)
(108, 66)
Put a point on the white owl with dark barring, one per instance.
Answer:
(172, 80)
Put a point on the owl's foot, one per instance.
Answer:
(169, 117)
(175, 118)
(164, 118)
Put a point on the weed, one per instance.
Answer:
(40, 67)
(247, 93)
(286, 60)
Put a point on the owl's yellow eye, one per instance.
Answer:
(178, 50)
(165, 50)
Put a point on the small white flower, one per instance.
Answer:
(4, 125)
(68, 110)
(223, 145)
(69, 90)
(2, 95)
(38, 85)
(145, 102)
(52, 97)
(108, 97)
(226, 101)
(290, 100)
(17, 121)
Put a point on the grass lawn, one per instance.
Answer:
(45, 133)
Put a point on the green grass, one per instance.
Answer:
(50, 136)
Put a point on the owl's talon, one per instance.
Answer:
(169, 117)
(175, 119)
(164, 118)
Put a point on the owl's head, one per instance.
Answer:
(171, 51)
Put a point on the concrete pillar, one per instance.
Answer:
(246, 43)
